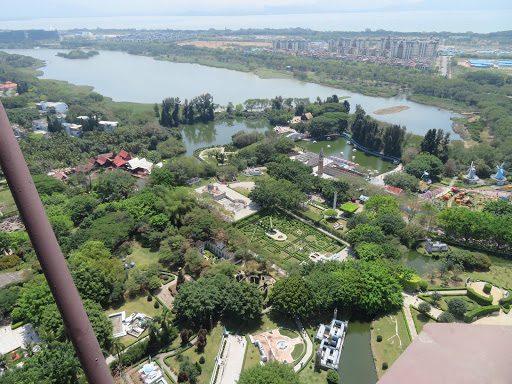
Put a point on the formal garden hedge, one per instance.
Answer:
(480, 299)
(303, 239)
(482, 311)
(487, 288)
(506, 300)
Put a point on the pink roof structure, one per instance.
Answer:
(455, 353)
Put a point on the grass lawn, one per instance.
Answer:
(142, 256)
(6, 200)
(139, 305)
(314, 213)
(311, 376)
(420, 319)
(210, 352)
(391, 345)
(251, 178)
(297, 351)
(243, 191)
(499, 273)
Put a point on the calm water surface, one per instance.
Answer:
(417, 261)
(357, 365)
(218, 132)
(142, 79)
(340, 145)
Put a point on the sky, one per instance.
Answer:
(28, 9)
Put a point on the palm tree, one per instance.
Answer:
(3, 361)
(116, 347)
(165, 318)
(153, 329)
(48, 335)
(29, 348)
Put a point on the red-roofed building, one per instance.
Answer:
(8, 85)
(125, 155)
(60, 176)
(119, 161)
(104, 158)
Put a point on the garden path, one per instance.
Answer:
(233, 362)
(309, 351)
(379, 180)
(408, 300)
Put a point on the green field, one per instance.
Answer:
(142, 256)
(302, 239)
(420, 319)
(392, 344)
(6, 200)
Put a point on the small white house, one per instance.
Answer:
(72, 129)
(40, 125)
(108, 125)
(48, 106)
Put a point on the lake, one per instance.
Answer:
(141, 79)
(356, 364)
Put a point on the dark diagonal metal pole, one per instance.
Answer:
(50, 256)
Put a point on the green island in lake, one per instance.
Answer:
(78, 54)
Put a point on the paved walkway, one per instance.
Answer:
(309, 351)
(379, 180)
(10, 277)
(231, 365)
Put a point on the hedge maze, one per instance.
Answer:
(302, 240)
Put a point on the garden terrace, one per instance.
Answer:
(302, 239)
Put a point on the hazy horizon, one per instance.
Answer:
(159, 8)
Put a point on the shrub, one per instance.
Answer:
(506, 306)
(332, 377)
(150, 298)
(384, 366)
(487, 288)
(482, 300)
(457, 306)
(157, 305)
(436, 297)
(379, 338)
(446, 317)
(423, 285)
(17, 325)
(468, 317)
(424, 307)
(201, 360)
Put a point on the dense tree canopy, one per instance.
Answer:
(292, 295)
(114, 186)
(270, 373)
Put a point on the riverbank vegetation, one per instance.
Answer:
(78, 54)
